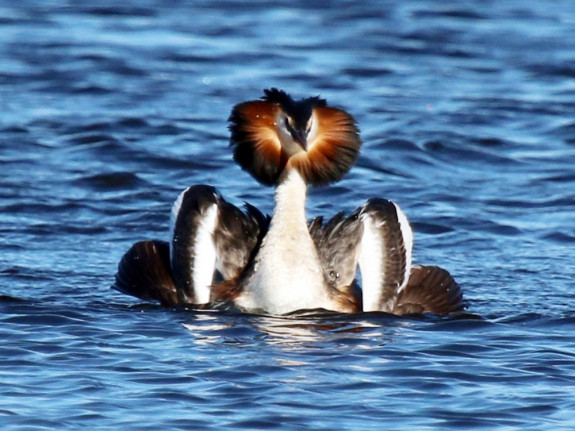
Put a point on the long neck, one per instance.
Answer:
(290, 198)
(288, 238)
(288, 275)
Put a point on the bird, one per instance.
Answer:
(285, 263)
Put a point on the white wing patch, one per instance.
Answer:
(205, 255)
(371, 265)
(407, 235)
(202, 250)
(174, 217)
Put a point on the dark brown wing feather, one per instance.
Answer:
(237, 237)
(337, 245)
(430, 290)
(144, 272)
(238, 240)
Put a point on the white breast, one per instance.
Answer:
(288, 275)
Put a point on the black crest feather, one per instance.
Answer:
(279, 96)
(299, 110)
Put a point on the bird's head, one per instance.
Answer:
(275, 134)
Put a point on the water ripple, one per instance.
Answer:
(109, 110)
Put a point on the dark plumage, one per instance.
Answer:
(337, 245)
(145, 272)
(430, 290)
(238, 237)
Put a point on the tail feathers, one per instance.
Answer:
(430, 289)
(145, 272)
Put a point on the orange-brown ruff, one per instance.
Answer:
(330, 153)
(285, 263)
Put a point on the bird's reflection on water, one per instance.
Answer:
(305, 328)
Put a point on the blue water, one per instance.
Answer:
(108, 109)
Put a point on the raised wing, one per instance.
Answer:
(377, 237)
(389, 281)
(385, 254)
(211, 241)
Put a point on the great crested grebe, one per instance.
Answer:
(284, 264)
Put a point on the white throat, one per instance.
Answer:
(288, 274)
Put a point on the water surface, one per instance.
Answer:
(109, 111)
